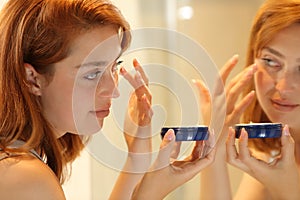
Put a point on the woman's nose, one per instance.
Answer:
(286, 82)
(108, 86)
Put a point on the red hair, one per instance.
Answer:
(39, 32)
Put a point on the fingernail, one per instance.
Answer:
(286, 130)
(136, 61)
(170, 135)
(243, 133)
(234, 58)
(122, 70)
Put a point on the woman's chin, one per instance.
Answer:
(89, 130)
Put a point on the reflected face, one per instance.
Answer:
(78, 98)
(277, 81)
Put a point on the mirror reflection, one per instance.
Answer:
(221, 28)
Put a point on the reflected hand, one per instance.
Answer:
(281, 177)
(219, 107)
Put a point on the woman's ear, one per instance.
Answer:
(33, 80)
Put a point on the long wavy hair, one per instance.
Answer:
(39, 32)
(272, 17)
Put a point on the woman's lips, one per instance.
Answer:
(102, 113)
(283, 106)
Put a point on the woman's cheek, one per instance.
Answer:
(265, 88)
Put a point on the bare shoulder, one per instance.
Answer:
(25, 177)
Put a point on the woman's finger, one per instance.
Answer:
(205, 101)
(288, 146)
(227, 68)
(244, 153)
(128, 77)
(233, 157)
(165, 150)
(234, 91)
(136, 81)
(195, 166)
(202, 90)
(240, 76)
(175, 152)
(139, 68)
(231, 151)
(240, 108)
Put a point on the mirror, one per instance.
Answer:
(218, 28)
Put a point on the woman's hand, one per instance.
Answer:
(137, 126)
(140, 101)
(137, 133)
(163, 176)
(281, 176)
(220, 108)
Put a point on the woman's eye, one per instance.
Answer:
(92, 76)
(270, 63)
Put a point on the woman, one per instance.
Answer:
(272, 165)
(274, 46)
(58, 76)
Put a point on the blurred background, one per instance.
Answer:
(220, 27)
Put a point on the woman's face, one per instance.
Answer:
(78, 98)
(277, 81)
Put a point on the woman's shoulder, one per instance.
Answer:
(26, 177)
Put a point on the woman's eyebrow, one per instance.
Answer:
(92, 64)
(273, 51)
(277, 53)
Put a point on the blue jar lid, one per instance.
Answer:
(188, 133)
(260, 130)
